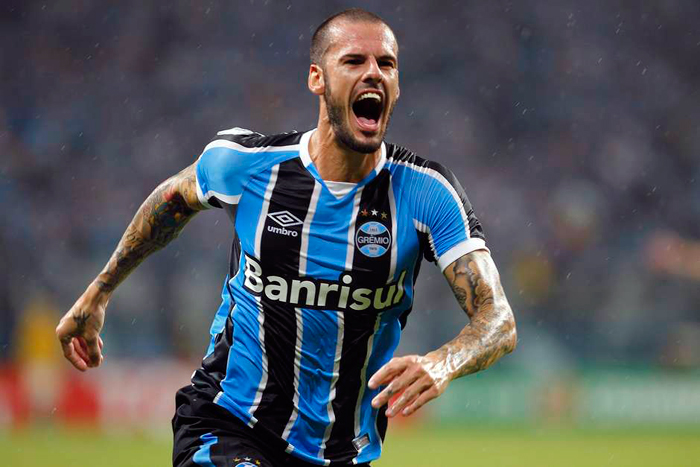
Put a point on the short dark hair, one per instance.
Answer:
(320, 39)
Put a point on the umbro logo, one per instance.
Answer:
(284, 219)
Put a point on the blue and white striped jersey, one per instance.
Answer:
(321, 284)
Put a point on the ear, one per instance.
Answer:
(316, 81)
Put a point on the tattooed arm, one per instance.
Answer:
(157, 222)
(489, 336)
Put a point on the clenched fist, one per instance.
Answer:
(79, 329)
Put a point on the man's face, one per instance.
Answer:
(361, 77)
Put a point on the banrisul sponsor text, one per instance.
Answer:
(321, 294)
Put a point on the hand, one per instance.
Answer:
(421, 379)
(79, 330)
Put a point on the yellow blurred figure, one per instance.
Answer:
(37, 356)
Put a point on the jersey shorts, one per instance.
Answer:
(207, 435)
(320, 285)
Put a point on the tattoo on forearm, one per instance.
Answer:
(491, 332)
(158, 221)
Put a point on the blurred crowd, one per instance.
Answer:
(574, 127)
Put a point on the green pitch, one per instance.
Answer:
(540, 447)
(464, 446)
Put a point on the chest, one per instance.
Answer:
(295, 226)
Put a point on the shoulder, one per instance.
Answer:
(238, 150)
(251, 141)
(234, 157)
(419, 169)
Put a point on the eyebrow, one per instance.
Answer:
(381, 57)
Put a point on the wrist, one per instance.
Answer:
(442, 366)
(99, 291)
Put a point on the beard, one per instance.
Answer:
(342, 130)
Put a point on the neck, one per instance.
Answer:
(333, 160)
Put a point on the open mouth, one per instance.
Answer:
(368, 109)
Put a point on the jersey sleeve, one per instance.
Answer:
(224, 168)
(445, 215)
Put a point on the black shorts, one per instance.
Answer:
(204, 431)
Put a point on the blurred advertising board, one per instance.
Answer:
(594, 397)
(141, 395)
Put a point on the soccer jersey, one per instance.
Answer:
(321, 284)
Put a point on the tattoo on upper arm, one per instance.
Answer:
(472, 290)
(491, 332)
(158, 221)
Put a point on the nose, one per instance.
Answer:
(373, 74)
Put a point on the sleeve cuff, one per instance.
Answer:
(200, 195)
(459, 250)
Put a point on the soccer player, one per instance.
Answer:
(330, 227)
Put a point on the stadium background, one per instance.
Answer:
(573, 125)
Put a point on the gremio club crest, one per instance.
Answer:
(373, 239)
(246, 462)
